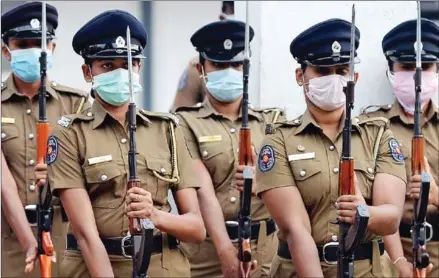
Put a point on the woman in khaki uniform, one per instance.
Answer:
(21, 35)
(401, 57)
(88, 164)
(211, 130)
(298, 164)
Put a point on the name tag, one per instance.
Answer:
(6, 120)
(99, 159)
(213, 138)
(301, 156)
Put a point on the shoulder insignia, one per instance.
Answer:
(189, 108)
(265, 110)
(396, 151)
(52, 149)
(374, 108)
(65, 89)
(64, 121)
(266, 158)
(161, 115)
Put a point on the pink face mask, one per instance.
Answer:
(326, 92)
(404, 88)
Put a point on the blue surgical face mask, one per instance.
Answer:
(25, 63)
(225, 85)
(114, 87)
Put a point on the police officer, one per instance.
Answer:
(87, 157)
(212, 134)
(21, 36)
(401, 57)
(190, 89)
(298, 164)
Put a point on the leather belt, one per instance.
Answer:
(233, 228)
(119, 246)
(404, 231)
(328, 252)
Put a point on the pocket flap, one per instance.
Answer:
(303, 170)
(9, 132)
(160, 166)
(102, 172)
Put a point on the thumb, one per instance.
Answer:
(357, 186)
(254, 156)
(426, 165)
(254, 264)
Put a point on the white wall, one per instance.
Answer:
(173, 23)
(277, 23)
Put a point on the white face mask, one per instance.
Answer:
(326, 92)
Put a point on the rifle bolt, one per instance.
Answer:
(123, 140)
(31, 136)
(335, 170)
(334, 238)
(302, 173)
(32, 187)
(233, 199)
(104, 177)
(28, 111)
(232, 130)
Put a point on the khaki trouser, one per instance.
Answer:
(433, 252)
(169, 263)
(378, 267)
(206, 263)
(13, 257)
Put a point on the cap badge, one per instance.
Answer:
(228, 44)
(120, 42)
(416, 47)
(35, 23)
(336, 47)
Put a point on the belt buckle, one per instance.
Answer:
(233, 224)
(329, 244)
(430, 229)
(32, 208)
(123, 245)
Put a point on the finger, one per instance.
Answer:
(139, 214)
(254, 156)
(429, 268)
(415, 191)
(426, 165)
(345, 205)
(415, 178)
(41, 167)
(345, 219)
(414, 196)
(254, 265)
(29, 267)
(41, 182)
(240, 168)
(239, 176)
(345, 198)
(345, 213)
(239, 183)
(357, 188)
(138, 190)
(240, 188)
(414, 185)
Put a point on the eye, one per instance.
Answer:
(323, 71)
(107, 65)
(237, 64)
(343, 72)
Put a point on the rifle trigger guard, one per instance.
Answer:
(123, 246)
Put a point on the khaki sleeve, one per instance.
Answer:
(186, 169)
(390, 158)
(190, 89)
(189, 137)
(273, 168)
(64, 167)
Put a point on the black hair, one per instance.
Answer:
(228, 5)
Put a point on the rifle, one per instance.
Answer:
(245, 158)
(420, 258)
(350, 235)
(140, 235)
(44, 207)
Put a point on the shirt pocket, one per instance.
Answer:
(106, 184)
(308, 177)
(217, 160)
(158, 178)
(9, 132)
(365, 172)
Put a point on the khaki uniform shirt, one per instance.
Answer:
(299, 154)
(19, 118)
(215, 140)
(90, 151)
(191, 86)
(402, 127)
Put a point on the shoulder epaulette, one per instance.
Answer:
(373, 120)
(271, 129)
(65, 89)
(266, 110)
(161, 115)
(189, 108)
(375, 108)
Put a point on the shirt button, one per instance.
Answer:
(334, 238)
(205, 153)
(302, 173)
(3, 135)
(32, 187)
(233, 199)
(104, 177)
(162, 170)
(296, 121)
(28, 111)
(123, 140)
(89, 114)
(232, 130)
(370, 170)
(54, 84)
(31, 136)
(335, 170)
(357, 120)
(331, 148)
(31, 162)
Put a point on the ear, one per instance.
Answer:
(199, 69)
(356, 75)
(6, 52)
(53, 44)
(86, 73)
(299, 76)
(140, 66)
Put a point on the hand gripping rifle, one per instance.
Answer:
(420, 257)
(350, 235)
(44, 207)
(245, 158)
(140, 235)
